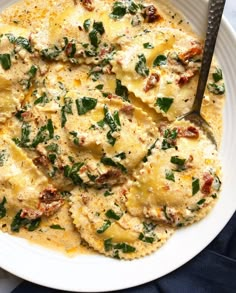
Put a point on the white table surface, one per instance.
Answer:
(7, 281)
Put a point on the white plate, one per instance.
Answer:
(97, 273)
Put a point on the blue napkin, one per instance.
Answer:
(211, 271)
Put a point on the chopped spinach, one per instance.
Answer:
(85, 105)
(195, 185)
(148, 227)
(109, 162)
(141, 67)
(70, 49)
(3, 210)
(104, 227)
(122, 91)
(217, 75)
(170, 175)
(216, 89)
(11, 38)
(166, 214)
(99, 87)
(56, 227)
(112, 215)
(164, 103)
(19, 222)
(160, 60)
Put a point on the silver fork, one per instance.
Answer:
(215, 12)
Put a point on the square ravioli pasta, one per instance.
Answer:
(92, 155)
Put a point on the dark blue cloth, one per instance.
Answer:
(211, 271)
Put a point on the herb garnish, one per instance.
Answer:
(169, 140)
(51, 53)
(112, 121)
(177, 161)
(108, 244)
(108, 193)
(53, 147)
(217, 75)
(201, 201)
(44, 134)
(216, 89)
(24, 43)
(25, 133)
(149, 152)
(66, 109)
(148, 46)
(98, 28)
(42, 100)
(147, 239)
(71, 172)
(2, 157)
(87, 24)
(118, 10)
(125, 248)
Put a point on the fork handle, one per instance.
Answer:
(215, 12)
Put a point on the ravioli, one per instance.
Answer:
(155, 72)
(22, 185)
(180, 182)
(92, 155)
(102, 220)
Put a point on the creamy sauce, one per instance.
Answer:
(84, 90)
